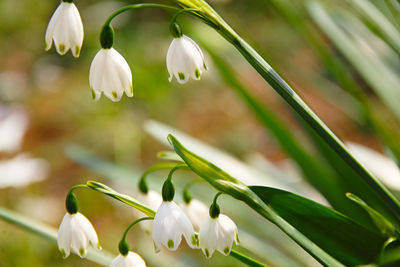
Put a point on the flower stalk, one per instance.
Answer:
(211, 17)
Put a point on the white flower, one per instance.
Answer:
(169, 224)
(76, 233)
(66, 29)
(196, 211)
(110, 73)
(152, 200)
(22, 170)
(130, 260)
(218, 234)
(185, 59)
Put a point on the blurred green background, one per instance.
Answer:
(53, 90)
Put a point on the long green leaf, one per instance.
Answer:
(332, 231)
(324, 246)
(211, 17)
(315, 170)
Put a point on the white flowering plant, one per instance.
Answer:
(356, 218)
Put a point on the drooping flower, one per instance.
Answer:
(152, 200)
(169, 224)
(196, 211)
(185, 59)
(218, 234)
(110, 73)
(130, 260)
(76, 233)
(66, 29)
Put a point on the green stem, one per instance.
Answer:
(162, 166)
(178, 167)
(135, 222)
(246, 259)
(136, 6)
(146, 210)
(293, 99)
(187, 197)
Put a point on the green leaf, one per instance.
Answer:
(387, 229)
(333, 232)
(324, 233)
(314, 169)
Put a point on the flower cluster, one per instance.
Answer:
(109, 72)
(170, 223)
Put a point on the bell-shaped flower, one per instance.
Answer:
(196, 211)
(110, 74)
(76, 233)
(185, 59)
(169, 224)
(218, 234)
(66, 29)
(151, 199)
(130, 260)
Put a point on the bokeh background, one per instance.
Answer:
(62, 136)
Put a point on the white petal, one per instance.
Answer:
(88, 230)
(61, 31)
(75, 30)
(169, 224)
(51, 26)
(64, 235)
(110, 73)
(219, 233)
(134, 260)
(208, 237)
(185, 59)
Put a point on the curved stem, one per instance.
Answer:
(162, 166)
(177, 167)
(136, 6)
(246, 259)
(78, 186)
(132, 224)
(187, 197)
(190, 10)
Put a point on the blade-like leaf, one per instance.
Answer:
(332, 231)
(319, 230)
(384, 225)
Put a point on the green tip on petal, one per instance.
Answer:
(170, 244)
(195, 241)
(205, 66)
(181, 76)
(237, 239)
(64, 255)
(131, 89)
(77, 51)
(82, 252)
(226, 251)
(93, 93)
(207, 253)
(114, 94)
(61, 48)
(99, 246)
(197, 73)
